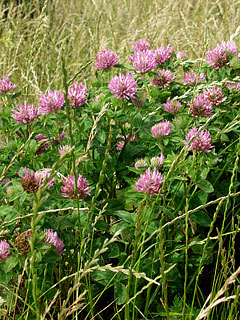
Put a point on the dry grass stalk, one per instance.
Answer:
(76, 305)
(92, 134)
(2, 233)
(48, 306)
(205, 311)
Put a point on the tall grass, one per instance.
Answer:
(33, 41)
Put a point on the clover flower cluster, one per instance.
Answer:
(202, 141)
(200, 107)
(140, 163)
(161, 129)
(172, 106)
(106, 59)
(4, 250)
(64, 149)
(163, 54)
(42, 175)
(22, 241)
(233, 86)
(214, 95)
(149, 182)
(53, 101)
(157, 161)
(6, 85)
(181, 55)
(52, 238)
(121, 143)
(144, 61)
(77, 93)
(142, 45)
(25, 113)
(69, 190)
(218, 57)
(165, 77)
(191, 78)
(123, 86)
(32, 181)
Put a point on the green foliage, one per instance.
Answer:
(135, 247)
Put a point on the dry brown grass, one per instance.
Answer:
(31, 46)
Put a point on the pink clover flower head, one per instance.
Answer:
(64, 149)
(133, 138)
(140, 163)
(24, 113)
(201, 142)
(62, 135)
(162, 54)
(68, 190)
(29, 174)
(5, 181)
(28, 182)
(142, 45)
(217, 58)
(172, 106)
(123, 87)
(121, 143)
(214, 95)
(233, 86)
(149, 182)
(41, 137)
(230, 47)
(32, 181)
(77, 94)
(106, 59)
(40, 177)
(157, 162)
(50, 103)
(164, 79)
(6, 85)
(143, 61)
(161, 129)
(2, 146)
(181, 55)
(191, 78)
(52, 238)
(201, 107)
(4, 252)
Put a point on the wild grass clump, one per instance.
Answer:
(119, 191)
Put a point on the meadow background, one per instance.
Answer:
(127, 254)
(37, 33)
